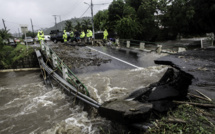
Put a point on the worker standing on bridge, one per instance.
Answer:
(89, 34)
(72, 36)
(82, 36)
(65, 36)
(105, 34)
(40, 36)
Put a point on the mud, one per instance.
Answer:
(76, 57)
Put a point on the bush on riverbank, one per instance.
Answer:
(9, 55)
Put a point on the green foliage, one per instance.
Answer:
(158, 19)
(78, 26)
(68, 26)
(85, 24)
(115, 12)
(101, 20)
(127, 27)
(9, 55)
(29, 34)
(4, 35)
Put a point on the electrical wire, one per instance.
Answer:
(85, 12)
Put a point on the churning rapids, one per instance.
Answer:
(27, 106)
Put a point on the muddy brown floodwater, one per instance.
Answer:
(26, 105)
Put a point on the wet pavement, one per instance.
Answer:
(88, 59)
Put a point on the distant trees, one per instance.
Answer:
(29, 34)
(157, 19)
(4, 35)
(68, 25)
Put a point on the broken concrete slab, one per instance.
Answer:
(125, 111)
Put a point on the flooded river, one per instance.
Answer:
(27, 106)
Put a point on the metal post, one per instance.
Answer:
(26, 41)
(54, 60)
(48, 51)
(65, 72)
(4, 25)
(32, 27)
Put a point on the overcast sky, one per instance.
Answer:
(16, 12)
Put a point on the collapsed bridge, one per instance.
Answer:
(133, 109)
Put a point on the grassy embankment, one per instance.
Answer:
(9, 55)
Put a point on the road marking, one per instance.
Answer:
(116, 58)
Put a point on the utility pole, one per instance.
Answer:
(19, 32)
(91, 5)
(60, 21)
(92, 18)
(32, 27)
(4, 25)
(55, 21)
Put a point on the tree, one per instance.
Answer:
(146, 15)
(101, 20)
(29, 34)
(127, 27)
(69, 26)
(134, 3)
(4, 35)
(78, 26)
(85, 24)
(203, 20)
(178, 17)
(115, 12)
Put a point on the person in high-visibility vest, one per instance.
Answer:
(40, 36)
(65, 36)
(89, 34)
(72, 36)
(105, 34)
(82, 34)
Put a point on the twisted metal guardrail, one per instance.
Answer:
(67, 79)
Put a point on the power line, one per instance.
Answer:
(85, 11)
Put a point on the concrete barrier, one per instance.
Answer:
(128, 44)
(142, 46)
(159, 49)
(181, 49)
